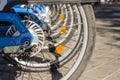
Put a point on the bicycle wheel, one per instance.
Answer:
(63, 51)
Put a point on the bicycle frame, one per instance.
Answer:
(31, 10)
(22, 32)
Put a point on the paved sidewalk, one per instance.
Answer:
(105, 62)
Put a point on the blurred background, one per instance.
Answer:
(105, 61)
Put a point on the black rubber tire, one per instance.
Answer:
(91, 41)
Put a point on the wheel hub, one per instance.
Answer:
(38, 37)
(28, 48)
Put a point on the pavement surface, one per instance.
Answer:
(105, 61)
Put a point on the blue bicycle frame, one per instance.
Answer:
(23, 32)
(30, 10)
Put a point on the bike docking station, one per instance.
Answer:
(46, 39)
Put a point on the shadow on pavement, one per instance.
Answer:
(10, 72)
(108, 18)
(109, 13)
(7, 71)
